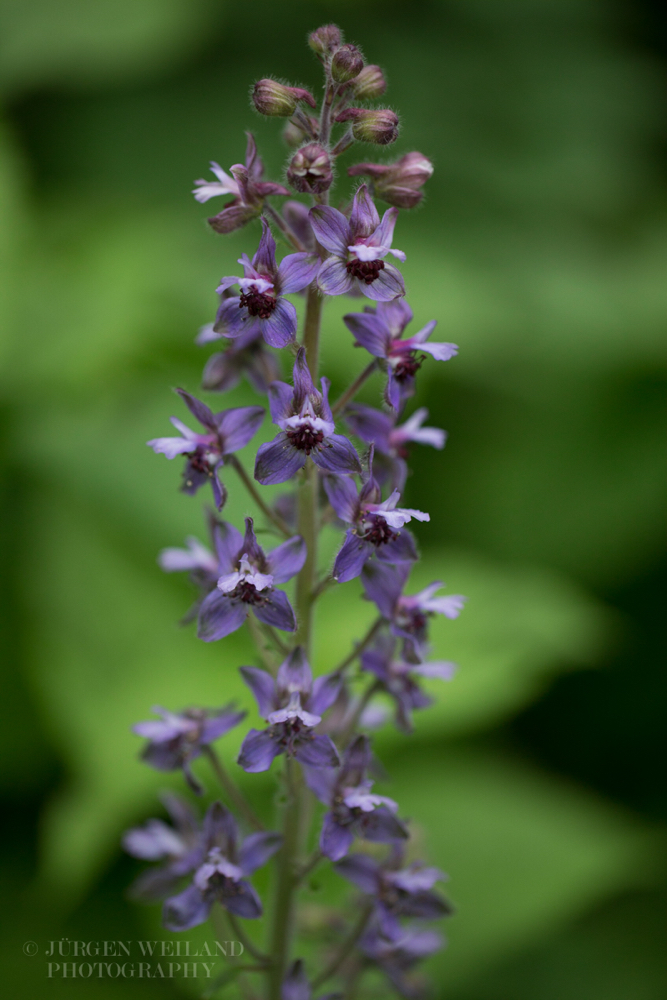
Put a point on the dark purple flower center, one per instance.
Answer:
(198, 463)
(258, 303)
(365, 270)
(411, 620)
(248, 593)
(379, 532)
(408, 366)
(305, 438)
(291, 732)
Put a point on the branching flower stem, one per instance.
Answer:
(231, 790)
(353, 389)
(345, 949)
(269, 514)
(360, 646)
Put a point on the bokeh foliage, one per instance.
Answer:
(542, 252)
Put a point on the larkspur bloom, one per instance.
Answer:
(398, 183)
(400, 679)
(222, 875)
(396, 892)
(292, 704)
(390, 441)
(245, 185)
(178, 738)
(377, 525)
(180, 847)
(307, 429)
(354, 810)
(247, 583)
(247, 355)
(226, 432)
(358, 247)
(398, 954)
(380, 331)
(261, 307)
(408, 614)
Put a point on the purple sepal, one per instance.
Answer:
(186, 910)
(277, 611)
(258, 751)
(351, 558)
(263, 688)
(257, 849)
(318, 751)
(335, 840)
(219, 616)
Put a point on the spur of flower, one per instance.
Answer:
(222, 874)
(354, 810)
(307, 429)
(380, 331)
(357, 249)
(396, 892)
(292, 704)
(247, 355)
(177, 738)
(391, 441)
(225, 433)
(245, 185)
(400, 679)
(179, 847)
(261, 307)
(247, 583)
(376, 525)
(408, 614)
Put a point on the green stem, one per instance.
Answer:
(348, 732)
(233, 793)
(284, 227)
(245, 940)
(360, 646)
(345, 949)
(354, 388)
(271, 515)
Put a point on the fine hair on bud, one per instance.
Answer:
(369, 84)
(399, 183)
(379, 127)
(309, 171)
(347, 62)
(325, 40)
(276, 100)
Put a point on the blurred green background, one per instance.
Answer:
(538, 780)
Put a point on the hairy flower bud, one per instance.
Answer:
(325, 40)
(310, 170)
(379, 127)
(369, 84)
(278, 101)
(398, 183)
(347, 63)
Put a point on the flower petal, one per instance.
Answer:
(381, 826)
(444, 670)
(294, 674)
(220, 616)
(384, 234)
(351, 558)
(277, 461)
(287, 559)
(258, 750)
(362, 871)
(317, 751)
(364, 218)
(343, 497)
(265, 257)
(383, 584)
(326, 689)
(337, 455)
(257, 849)
(219, 724)
(171, 447)
(295, 985)
(242, 900)
(296, 271)
(152, 841)
(388, 285)
(279, 329)
(440, 351)
(331, 229)
(188, 909)
(333, 278)
(398, 550)
(238, 425)
(371, 425)
(263, 687)
(277, 611)
(198, 409)
(335, 840)
(228, 541)
(369, 331)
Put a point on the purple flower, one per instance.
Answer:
(380, 331)
(176, 739)
(295, 985)
(376, 525)
(179, 846)
(408, 614)
(400, 679)
(354, 810)
(246, 186)
(358, 248)
(293, 704)
(307, 428)
(379, 429)
(396, 892)
(261, 306)
(247, 355)
(398, 954)
(226, 432)
(246, 583)
(221, 877)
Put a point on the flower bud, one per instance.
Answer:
(379, 127)
(398, 183)
(347, 63)
(278, 101)
(310, 170)
(325, 40)
(232, 218)
(369, 84)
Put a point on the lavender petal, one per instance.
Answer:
(296, 271)
(277, 611)
(351, 557)
(277, 461)
(263, 687)
(335, 840)
(287, 559)
(243, 901)
(337, 455)
(343, 497)
(333, 278)
(188, 909)
(279, 329)
(388, 285)
(219, 616)
(257, 849)
(317, 751)
(331, 229)
(258, 750)
(238, 425)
